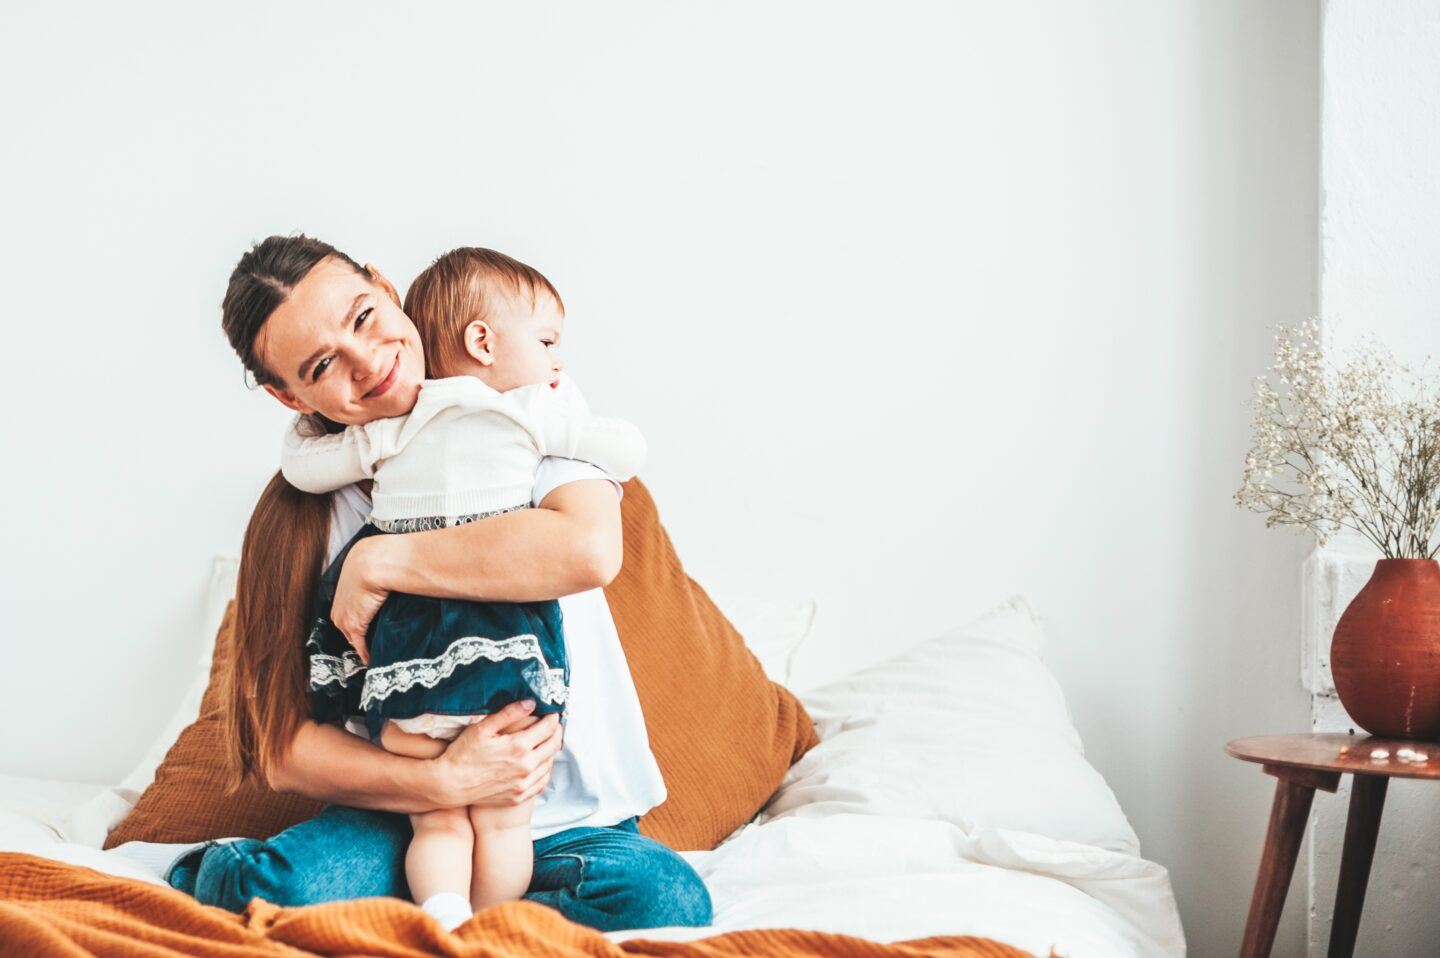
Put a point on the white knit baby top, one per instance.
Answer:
(465, 449)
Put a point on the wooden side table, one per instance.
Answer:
(1301, 764)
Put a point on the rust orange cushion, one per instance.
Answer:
(187, 801)
(722, 733)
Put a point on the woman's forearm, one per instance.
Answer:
(503, 760)
(328, 764)
(571, 544)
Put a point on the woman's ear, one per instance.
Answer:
(479, 337)
(288, 400)
(377, 278)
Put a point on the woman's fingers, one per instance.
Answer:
(505, 767)
(539, 735)
(359, 647)
(536, 783)
(357, 599)
(499, 722)
(551, 746)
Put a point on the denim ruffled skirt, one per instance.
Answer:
(433, 656)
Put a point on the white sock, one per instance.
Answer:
(449, 909)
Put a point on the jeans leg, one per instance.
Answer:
(340, 854)
(615, 878)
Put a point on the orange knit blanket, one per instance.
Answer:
(49, 908)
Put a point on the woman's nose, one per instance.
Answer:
(367, 366)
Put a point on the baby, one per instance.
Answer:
(467, 450)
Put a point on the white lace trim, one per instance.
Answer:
(325, 669)
(386, 680)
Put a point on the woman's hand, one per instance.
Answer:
(358, 596)
(494, 762)
(504, 759)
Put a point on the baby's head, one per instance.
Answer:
(482, 314)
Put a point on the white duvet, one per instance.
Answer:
(892, 879)
(907, 820)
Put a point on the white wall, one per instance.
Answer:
(920, 305)
(1380, 239)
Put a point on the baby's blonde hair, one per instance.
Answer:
(456, 290)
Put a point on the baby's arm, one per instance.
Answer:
(616, 446)
(329, 462)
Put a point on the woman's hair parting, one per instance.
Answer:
(262, 280)
(456, 290)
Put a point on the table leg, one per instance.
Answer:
(1367, 801)
(1294, 791)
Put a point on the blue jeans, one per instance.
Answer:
(606, 878)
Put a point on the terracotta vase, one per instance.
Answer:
(1386, 654)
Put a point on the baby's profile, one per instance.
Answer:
(466, 450)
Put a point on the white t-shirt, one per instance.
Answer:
(605, 772)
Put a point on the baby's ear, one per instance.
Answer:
(478, 339)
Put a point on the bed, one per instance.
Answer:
(949, 794)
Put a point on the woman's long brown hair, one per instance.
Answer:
(285, 542)
(280, 562)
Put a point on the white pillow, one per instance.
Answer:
(773, 629)
(969, 727)
(92, 821)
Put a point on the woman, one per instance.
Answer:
(294, 304)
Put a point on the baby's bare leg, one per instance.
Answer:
(442, 851)
(499, 837)
(440, 854)
(504, 855)
(410, 744)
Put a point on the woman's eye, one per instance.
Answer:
(548, 342)
(319, 368)
(361, 318)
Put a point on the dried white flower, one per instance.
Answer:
(1342, 447)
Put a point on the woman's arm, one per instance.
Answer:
(572, 543)
(492, 762)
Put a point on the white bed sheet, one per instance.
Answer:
(37, 816)
(893, 879)
(884, 878)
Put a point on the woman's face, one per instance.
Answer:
(342, 347)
